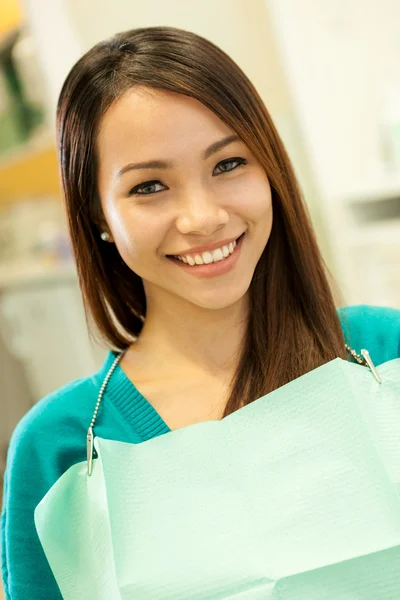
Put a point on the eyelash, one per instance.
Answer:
(135, 191)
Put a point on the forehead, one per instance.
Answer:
(149, 120)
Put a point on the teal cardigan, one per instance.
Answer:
(52, 436)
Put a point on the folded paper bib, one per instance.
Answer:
(296, 496)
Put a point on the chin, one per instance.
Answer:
(220, 300)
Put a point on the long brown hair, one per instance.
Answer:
(293, 325)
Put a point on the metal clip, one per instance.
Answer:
(371, 365)
(89, 450)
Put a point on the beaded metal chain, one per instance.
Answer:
(364, 359)
(90, 437)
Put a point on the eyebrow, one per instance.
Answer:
(163, 164)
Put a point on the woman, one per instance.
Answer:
(195, 255)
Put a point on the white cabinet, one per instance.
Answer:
(43, 324)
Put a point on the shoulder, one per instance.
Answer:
(51, 435)
(376, 328)
(53, 432)
(62, 411)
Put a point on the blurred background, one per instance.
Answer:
(329, 73)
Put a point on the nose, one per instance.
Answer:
(201, 214)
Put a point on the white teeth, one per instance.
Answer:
(217, 255)
(207, 258)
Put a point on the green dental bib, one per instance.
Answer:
(296, 496)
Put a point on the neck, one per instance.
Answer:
(192, 339)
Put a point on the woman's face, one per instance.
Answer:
(174, 177)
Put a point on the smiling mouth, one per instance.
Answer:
(197, 257)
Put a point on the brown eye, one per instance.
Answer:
(230, 164)
(146, 188)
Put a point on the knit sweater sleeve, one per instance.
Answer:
(25, 570)
(46, 441)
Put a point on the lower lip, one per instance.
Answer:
(214, 269)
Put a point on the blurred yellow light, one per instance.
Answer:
(10, 14)
(30, 174)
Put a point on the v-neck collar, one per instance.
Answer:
(134, 407)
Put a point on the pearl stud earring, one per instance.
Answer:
(105, 236)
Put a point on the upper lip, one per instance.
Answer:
(206, 247)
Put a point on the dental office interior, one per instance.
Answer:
(328, 72)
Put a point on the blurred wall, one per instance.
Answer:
(57, 44)
(342, 61)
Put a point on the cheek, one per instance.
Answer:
(255, 199)
(129, 248)
(137, 237)
(125, 236)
